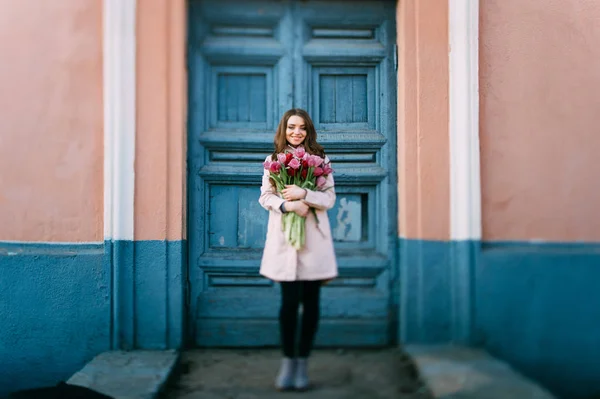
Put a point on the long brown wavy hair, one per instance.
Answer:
(310, 142)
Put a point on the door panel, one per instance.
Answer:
(249, 62)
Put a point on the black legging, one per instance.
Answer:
(292, 293)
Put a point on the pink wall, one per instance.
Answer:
(51, 143)
(423, 142)
(540, 132)
(161, 119)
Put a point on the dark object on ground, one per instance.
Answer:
(60, 391)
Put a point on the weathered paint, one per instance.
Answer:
(348, 221)
(537, 307)
(55, 311)
(344, 77)
(539, 120)
(423, 144)
(51, 125)
(160, 158)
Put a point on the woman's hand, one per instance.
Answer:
(292, 192)
(299, 207)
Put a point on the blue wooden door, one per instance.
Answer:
(250, 61)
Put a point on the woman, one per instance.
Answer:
(299, 272)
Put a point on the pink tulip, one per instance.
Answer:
(294, 164)
(275, 167)
(281, 157)
(267, 165)
(318, 172)
(299, 152)
(315, 160)
(321, 181)
(318, 160)
(327, 169)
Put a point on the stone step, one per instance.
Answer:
(128, 374)
(453, 372)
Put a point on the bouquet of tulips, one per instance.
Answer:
(304, 170)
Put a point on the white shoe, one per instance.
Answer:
(285, 377)
(301, 382)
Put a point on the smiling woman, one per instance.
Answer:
(300, 269)
(296, 130)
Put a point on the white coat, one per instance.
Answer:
(316, 260)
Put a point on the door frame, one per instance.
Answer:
(388, 189)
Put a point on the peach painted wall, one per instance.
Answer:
(540, 132)
(423, 141)
(51, 129)
(161, 114)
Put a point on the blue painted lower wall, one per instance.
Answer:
(536, 306)
(55, 312)
(62, 304)
(160, 278)
(425, 306)
(148, 301)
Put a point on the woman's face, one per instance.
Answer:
(295, 132)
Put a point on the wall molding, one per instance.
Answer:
(119, 118)
(119, 77)
(465, 184)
